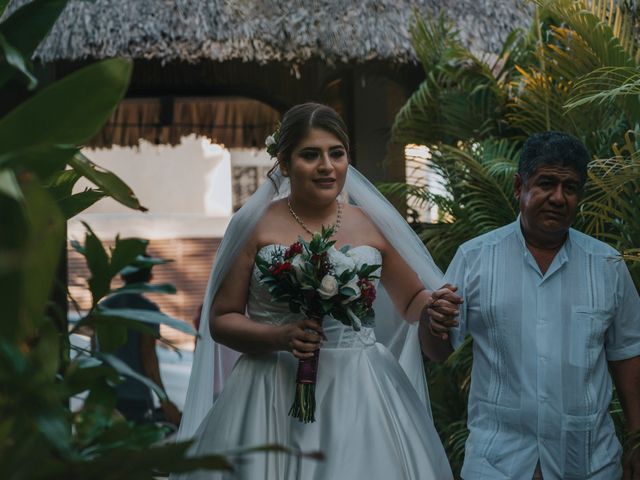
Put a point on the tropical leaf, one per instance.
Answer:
(125, 252)
(609, 85)
(43, 250)
(45, 161)
(67, 112)
(591, 21)
(461, 96)
(23, 31)
(122, 368)
(98, 264)
(127, 316)
(15, 59)
(108, 182)
(166, 288)
(79, 202)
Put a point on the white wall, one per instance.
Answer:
(187, 189)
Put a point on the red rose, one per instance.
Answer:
(293, 249)
(280, 268)
(368, 291)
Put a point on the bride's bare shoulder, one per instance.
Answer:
(362, 227)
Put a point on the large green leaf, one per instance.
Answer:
(105, 315)
(111, 337)
(84, 371)
(14, 58)
(98, 263)
(125, 251)
(134, 464)
(27, 27)
(108, 182)
(14, 233)
(69, 111)
(127, 371)
(44, 248)
(43, 160)
(61, 184)
(146, 288)
(79, 202)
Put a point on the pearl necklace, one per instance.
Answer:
(336, 226)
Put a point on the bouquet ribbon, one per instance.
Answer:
(304, 402)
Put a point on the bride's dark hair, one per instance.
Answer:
(297, 123)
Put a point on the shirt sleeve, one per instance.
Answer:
(456, 275)
(623, 336)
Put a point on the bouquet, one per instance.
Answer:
(316, 279)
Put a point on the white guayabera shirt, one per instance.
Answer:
(540, 387)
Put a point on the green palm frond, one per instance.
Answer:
(461, 96)
(608, 85)
(605, 28)
(435, 41)
(538, 105)
(479, 194)
(612, 203)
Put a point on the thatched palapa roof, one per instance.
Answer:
(262, 31)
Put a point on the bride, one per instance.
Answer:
(373, 418)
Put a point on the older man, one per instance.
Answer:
(549, 309)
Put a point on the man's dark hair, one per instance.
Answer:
(553, 148)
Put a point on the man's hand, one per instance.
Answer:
(631, 463)
(171, 412)
(442, 310)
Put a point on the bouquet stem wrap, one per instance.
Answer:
(304, 402)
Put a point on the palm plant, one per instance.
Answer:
(576, 70)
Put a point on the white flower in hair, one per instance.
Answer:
(271, 140)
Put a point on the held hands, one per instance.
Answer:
(441, 311)
(302, 338)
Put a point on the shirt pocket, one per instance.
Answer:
(587, 328)
(578, 433)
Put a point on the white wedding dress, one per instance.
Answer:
(370, 422)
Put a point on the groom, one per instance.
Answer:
(552, 312)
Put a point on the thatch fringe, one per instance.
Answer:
(262, 31)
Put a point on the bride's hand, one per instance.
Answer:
(301, 338)
(442, 310)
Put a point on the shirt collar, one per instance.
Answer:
(559, 260)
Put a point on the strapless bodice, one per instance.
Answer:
(261, 308)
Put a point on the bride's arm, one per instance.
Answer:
(230, 326)
(412, 299)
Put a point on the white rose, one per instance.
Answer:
(297, 263)
(270, 140)
(328, 287)
(357, 260)
(340, 261)
(353, 283)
